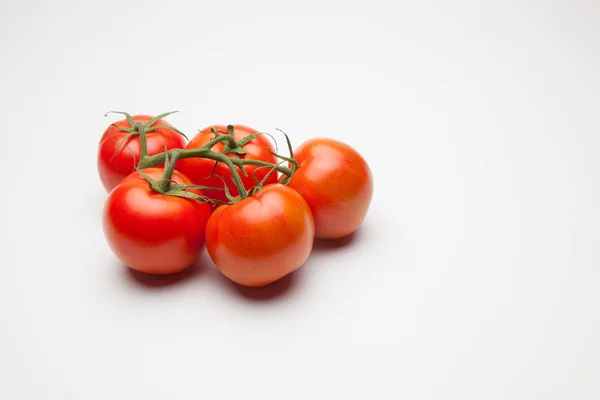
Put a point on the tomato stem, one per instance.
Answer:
(158, 159)
(170, 161)
(235, 164)
(232, 146)
(144, 146)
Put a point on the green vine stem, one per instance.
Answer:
(169, 158)
(164, 184)
(144, 146)
(205, 152)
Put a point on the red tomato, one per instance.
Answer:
(337, 184)
(262, 238)
(115, 163)
(151, 232)
(199, 169)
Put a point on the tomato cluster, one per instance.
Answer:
(226, 189)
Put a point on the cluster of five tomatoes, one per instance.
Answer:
(254, 241)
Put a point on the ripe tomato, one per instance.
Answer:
(337, 184)
(262, 238)
(199, 169)
(151, 232)
(116, 162)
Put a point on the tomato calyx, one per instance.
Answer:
(230, 145)
(136, 128)
(166, 186)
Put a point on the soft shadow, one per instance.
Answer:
(326, 245)
(275, 290)
(158, 281)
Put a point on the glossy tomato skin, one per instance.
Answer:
(114, 166)
(200, 169)
(263, 238)
(337, 184)
(151, 232)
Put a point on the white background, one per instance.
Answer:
(475, 275)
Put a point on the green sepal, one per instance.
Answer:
(187, 195)
(178, 186)
(127, 116)
(171, 128)
(227, 192)
(158, 118)
(244, 141)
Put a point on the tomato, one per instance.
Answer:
(337, 184)
(262, 238)
(152, 232)
(199, 170)
(116, 160)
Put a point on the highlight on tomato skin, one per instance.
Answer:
(336, 182)
(203, 171)
(262, 238)
(117, 158)
(151, 232)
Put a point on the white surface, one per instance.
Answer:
(475, 275)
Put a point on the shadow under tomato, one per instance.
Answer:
(273, 291)
(157, 281)
(327, 245)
